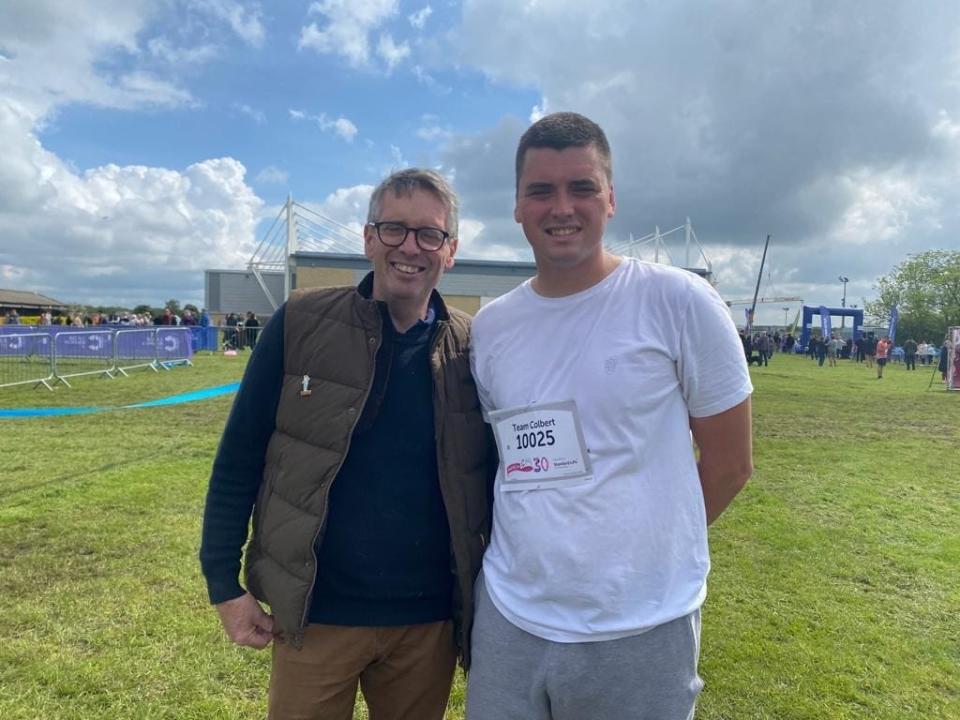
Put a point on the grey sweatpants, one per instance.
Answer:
(517, 676)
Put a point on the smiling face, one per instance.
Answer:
(564, 200)
(406, 275)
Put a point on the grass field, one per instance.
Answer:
(835, 591)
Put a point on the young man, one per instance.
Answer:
(882, 350)
(834, 349)
(593, 375)
(869, 349)
(910, 354)
(357, 443)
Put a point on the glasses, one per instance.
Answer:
(393, 234)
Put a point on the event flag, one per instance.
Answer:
(894, 317)
(824, 322)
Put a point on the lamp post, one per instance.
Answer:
(843, 302)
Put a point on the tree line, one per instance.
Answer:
(926, 289)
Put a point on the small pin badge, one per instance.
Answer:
(305, 386)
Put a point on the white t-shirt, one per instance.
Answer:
(639, 353)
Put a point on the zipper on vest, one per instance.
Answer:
(437, 375)
(376, 342)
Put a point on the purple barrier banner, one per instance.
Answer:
(86, 344)
(25, 344)
(174, 343)
(164, 343)
(134, 348)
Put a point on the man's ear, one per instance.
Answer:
(449, 262)
(369, 237)
(613, 202)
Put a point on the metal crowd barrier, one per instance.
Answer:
(88, 352)
(54, 355)
(214, 338)
(135, 349)
(26, 358)
(173, 346)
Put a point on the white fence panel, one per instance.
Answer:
(83, 353)
(26, 358)
(174, 346)
(135, 349)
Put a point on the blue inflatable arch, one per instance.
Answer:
(809, 312)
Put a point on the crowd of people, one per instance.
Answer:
(759, 347)
(240, 331)
(869, 349)
(235, 332)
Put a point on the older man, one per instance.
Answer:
(356, 442)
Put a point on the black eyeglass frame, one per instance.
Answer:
(407, 230)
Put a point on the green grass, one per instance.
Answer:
(835, 591)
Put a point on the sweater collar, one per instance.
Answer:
(436, 308)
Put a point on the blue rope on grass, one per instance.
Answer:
(171, 400)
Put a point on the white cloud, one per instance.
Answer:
(391, 53)
(398, 160)
(419, 18)
(346, 28)
(834, 130)
(880, 209)
(150, 230)
(427, 80)
(946, 127)
(162, 49)
(345, 129)
(244, 19)
(272, 175)
(153, 229)
(433, 133)
(340, 126)
(138, 89)
(256, 115)
(53, 50)
(347, 206)
(538, 111)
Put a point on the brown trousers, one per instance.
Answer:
(404, 673)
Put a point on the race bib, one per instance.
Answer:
(541, 447)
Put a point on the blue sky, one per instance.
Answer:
(145, 141)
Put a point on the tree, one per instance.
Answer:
(926, 289)
(173, 306)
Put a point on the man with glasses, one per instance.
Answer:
(594, 374)
(357, 444)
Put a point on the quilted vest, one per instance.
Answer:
(332, 335)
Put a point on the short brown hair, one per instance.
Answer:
(562, 130)
(404, 182)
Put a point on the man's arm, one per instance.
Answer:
(726, 455)
(234, 484)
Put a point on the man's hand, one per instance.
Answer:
(245, 622)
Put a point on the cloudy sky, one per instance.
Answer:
(142, 142)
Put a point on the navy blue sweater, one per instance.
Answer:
(384, 556)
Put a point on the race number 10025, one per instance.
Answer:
(535, 439)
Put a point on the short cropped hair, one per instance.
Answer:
(403, 183)
(562, 130)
